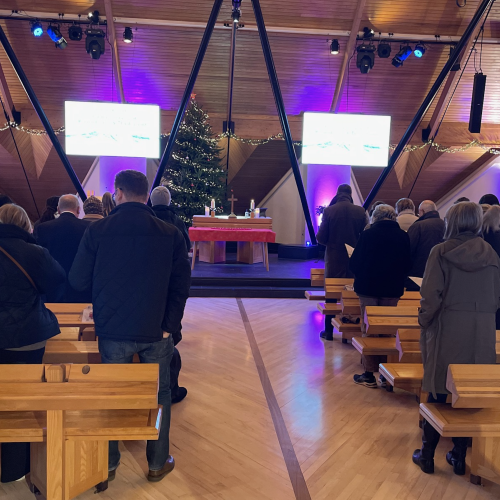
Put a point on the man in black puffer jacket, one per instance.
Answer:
(138, 269)
(160, 201)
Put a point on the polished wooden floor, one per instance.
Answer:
(349, 442)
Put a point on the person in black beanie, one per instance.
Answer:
(5, 200)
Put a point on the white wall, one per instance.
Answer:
(283, 204)
(483, 181)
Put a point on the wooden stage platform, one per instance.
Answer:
(258, 375)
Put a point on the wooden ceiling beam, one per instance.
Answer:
(351, 43)
(7, 98)
(114, 47)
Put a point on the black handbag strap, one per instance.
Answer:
(21, 268)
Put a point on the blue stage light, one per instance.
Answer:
(308, 243)
(401, 56)
(55, 36)
(419, 50)
(37, 28)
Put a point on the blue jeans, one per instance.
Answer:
(112, 351)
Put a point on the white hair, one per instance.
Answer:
(383, 212)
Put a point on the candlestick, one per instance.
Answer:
(212, 204)
(252, 204)
(207, 212)
(257, 213)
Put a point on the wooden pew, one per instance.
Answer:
(475, 412)
(315, 294)
(406, 376)
(329, 308)
(68, 333)
(70, 412)
(376, 347)
(408, 346)
(350, 303)
(317, 277)
(63, 308)
(335, 286)
(71, 351)
(389, 325)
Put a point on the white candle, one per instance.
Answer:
(212, 204)
(207, 212)
(252, 204)
(257, 213)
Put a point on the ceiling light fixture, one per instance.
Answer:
(384, 50)
(335, 47)
(56, 37)
(401, 56)
(366, 57)
(236, 13)
(37, 28)
(75, 33)
(94, 17)
(419, 50)
(368, 33)
(128, 36)
(94, 43)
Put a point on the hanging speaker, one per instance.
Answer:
(476, 109)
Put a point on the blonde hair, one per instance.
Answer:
(463, 217)
(107, 203)
(14, 214)
(491, 220)
(485, 207)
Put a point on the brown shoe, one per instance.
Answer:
(157, 475)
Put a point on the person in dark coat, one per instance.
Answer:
(380, 263)
(138, 270)
(460, 296)
(26, 322)
(50, 211)
(61, 237)
(489, 199)
(342, 223)
(425, 234)
(491, 234)
(160, 201)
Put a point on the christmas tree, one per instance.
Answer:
(194, 174)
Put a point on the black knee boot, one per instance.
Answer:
(424, 458)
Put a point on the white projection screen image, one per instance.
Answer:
(343, 139)
(111, 129)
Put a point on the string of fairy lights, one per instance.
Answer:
(493, 148)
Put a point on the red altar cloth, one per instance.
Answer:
(218, 234)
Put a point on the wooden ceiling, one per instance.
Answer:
(155, 68)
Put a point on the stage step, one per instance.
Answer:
(253, 292)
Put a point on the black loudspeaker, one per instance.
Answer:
(476, 109)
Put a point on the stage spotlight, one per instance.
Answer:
(401, 56)
(128, 36)
(366, 58)
(368, 33)
(94, 43)
(384, 50)
(37, 28)
(75, 33)
(94, 17)
(335, 47)
(56, 37)
(419, 50)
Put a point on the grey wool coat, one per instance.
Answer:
(460, 295)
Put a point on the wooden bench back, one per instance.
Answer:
(399, 311)
(78, 387)
(474, 386)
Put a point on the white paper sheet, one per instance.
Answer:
(350, 249)
(416, 280)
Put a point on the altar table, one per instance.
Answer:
(249, 252)
(259, 237)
